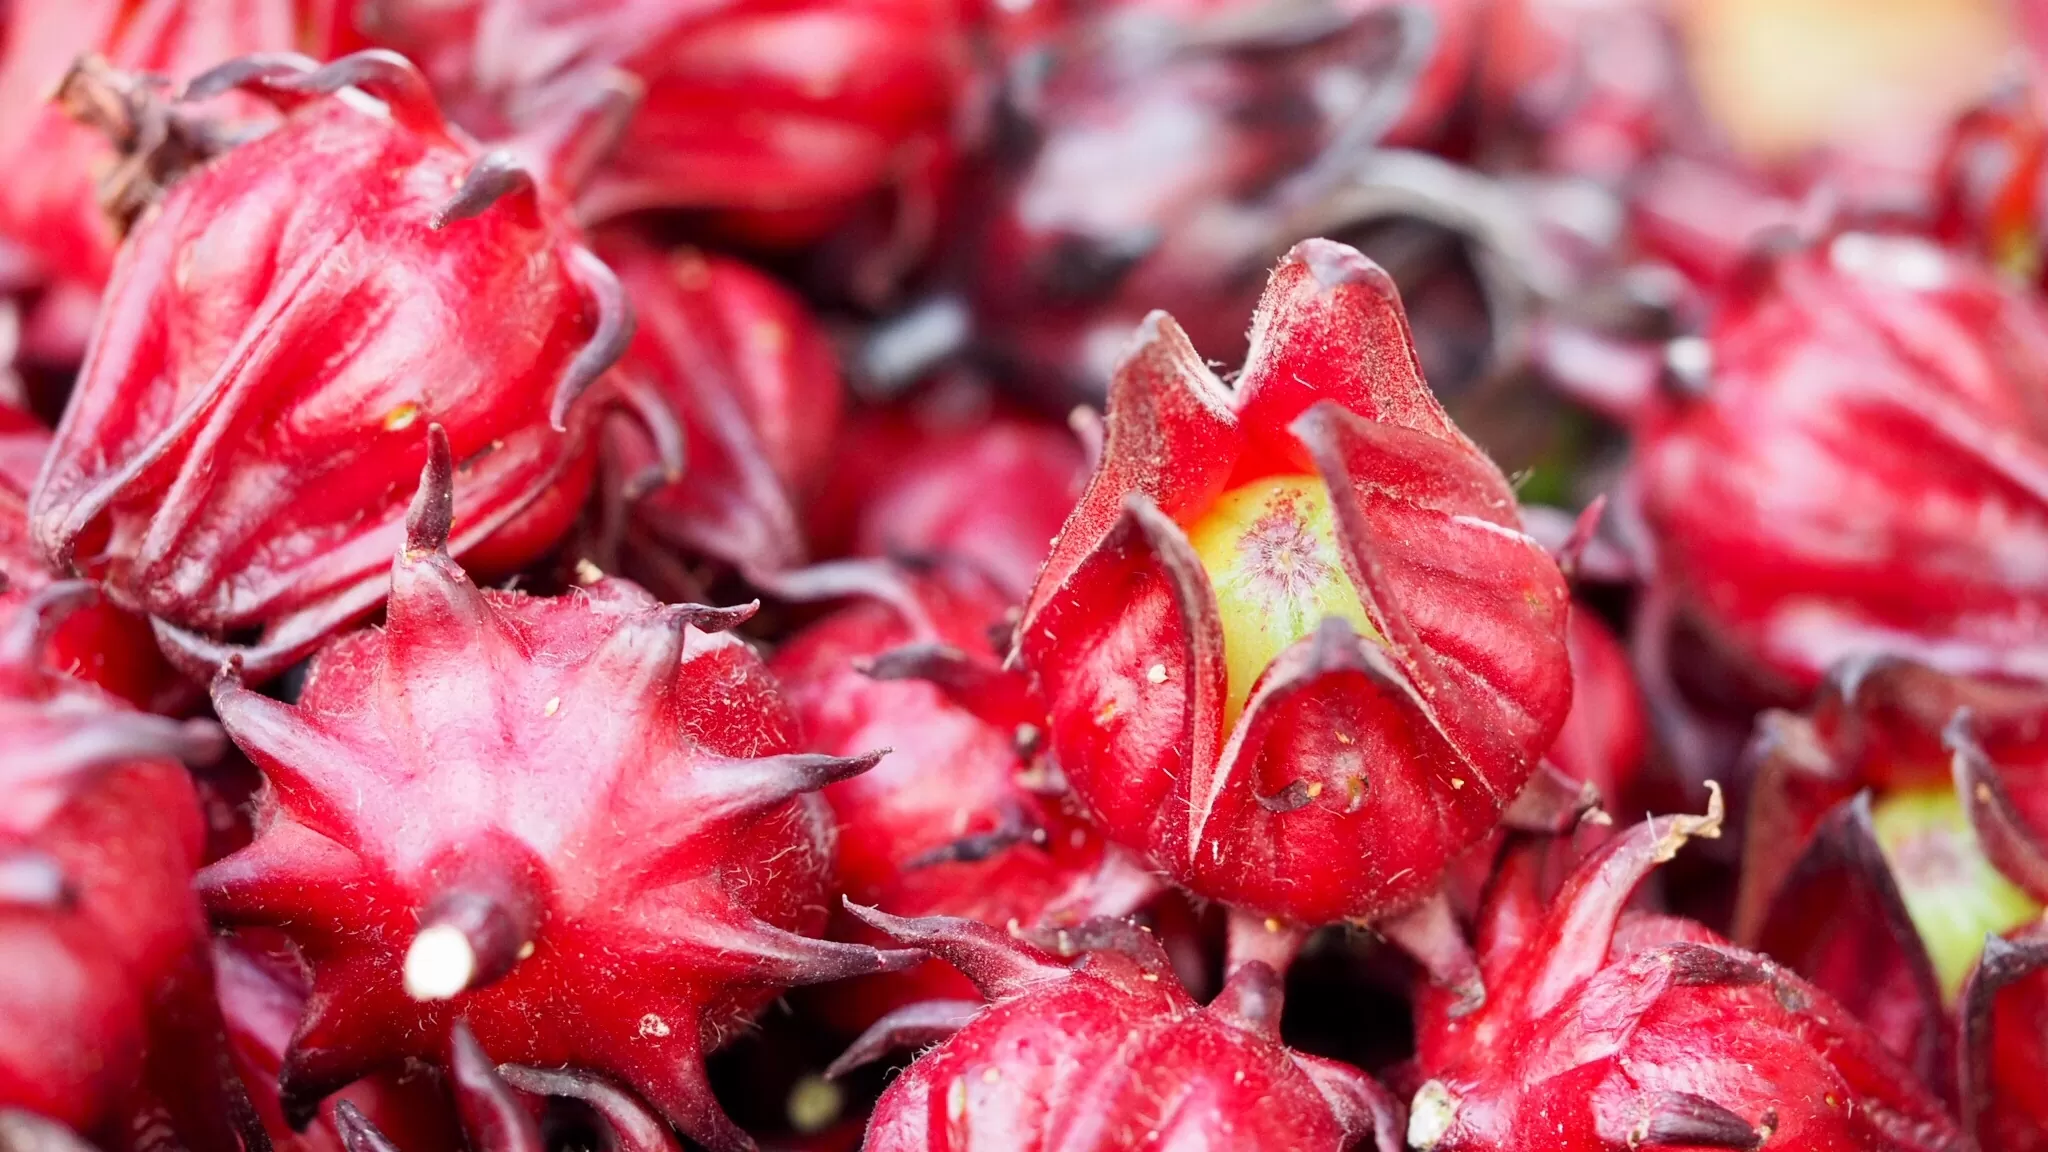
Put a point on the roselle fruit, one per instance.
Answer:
(1612, 1032)
(64, 171)
(1108, 1054)
(777, 121)
(236, 457)
(107, 1019)
(1899, 860)
(949, 823)
(740, 360)
(1295, 647)
(611, 865)
(1864, 467)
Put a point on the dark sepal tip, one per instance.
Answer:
(432, 515)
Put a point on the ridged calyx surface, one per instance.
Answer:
(1611, 1033)
(107, 1018)
(576, 823)
(1109, 1055)
(743, 364)
(1864, 467)
(237, 455)
(1296, 648)
(950, 823)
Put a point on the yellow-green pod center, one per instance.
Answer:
(1270, 549)
(1952, 892)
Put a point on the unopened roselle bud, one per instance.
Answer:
(956, 821)
(1864, 467)
(237, 457)
(745, 368)
(1295, 646)
(1895, 859)
(66, 175)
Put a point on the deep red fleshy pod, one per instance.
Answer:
(1865, 467)
(948, 824)
(1296, 647)
(576, 823)
(62, 170)
(740, 360)
(1109, 1055)
(236, 458)
(1898, 858)
(1608, 1034)
(107, 1019)
(776, 118)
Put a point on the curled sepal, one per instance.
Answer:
(1104, 934)
(911, 1026)
(494, 1119)
(2005, 963)
(357, 1133)
(631, 1126)
(610, 335)
(2008, 838)
(1574, 938)
(385, 75)
(998, 965)
(1865, 950)
(495, 175)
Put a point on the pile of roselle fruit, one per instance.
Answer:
(1055, 575)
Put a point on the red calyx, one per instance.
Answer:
(1108, 1054)
(575, 823)
(741, 361)
(949, 823)
(107, 1018)
(1866, 403)
(235, 458)
(1603, 1035)
(1420, 668)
